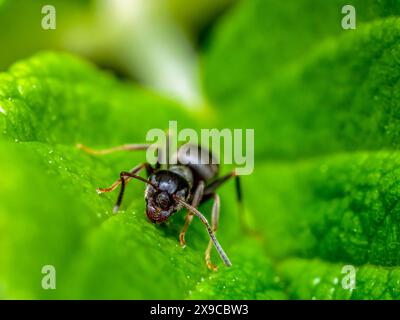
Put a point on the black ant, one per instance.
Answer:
(177, 186)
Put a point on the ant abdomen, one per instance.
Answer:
(203, 163)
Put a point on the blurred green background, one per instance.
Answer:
(324, 105)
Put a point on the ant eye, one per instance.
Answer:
(163, 200)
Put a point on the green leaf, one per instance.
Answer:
(235, 282)
(342, 208)
(342, 94)
(316, 279)
(50, 213)
(274, 35)
(324, 105)
(324, 193)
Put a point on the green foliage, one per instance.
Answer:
(324, 105)
(342, 89)
(316, 279)
(274, 35)
(51, 214)
(324, 194)
(341, 208)
(21, 30)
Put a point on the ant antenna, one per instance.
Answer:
(203, 219)
(121, 192)
(167, 151)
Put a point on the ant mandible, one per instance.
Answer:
(173, 187)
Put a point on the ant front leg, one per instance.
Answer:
(134, 170)
(125, 176)
(198, 194)
(214, 227)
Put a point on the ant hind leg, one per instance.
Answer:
(124, 147)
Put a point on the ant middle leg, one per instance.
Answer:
(213, 186)
(209, 190)
(198, 194)
(214, 227)
(245, 226)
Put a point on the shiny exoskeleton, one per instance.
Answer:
(172, 187)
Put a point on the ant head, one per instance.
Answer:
(160, 203)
